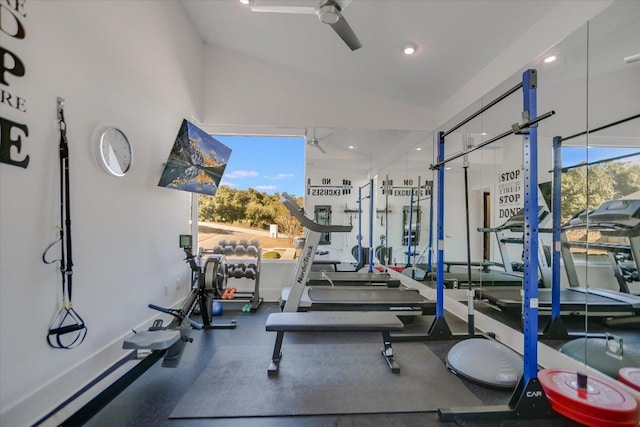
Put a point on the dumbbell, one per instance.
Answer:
(252, 251)
(249, 273)
(238, 272)
(219, 250)
(240, 250)
(230, 268)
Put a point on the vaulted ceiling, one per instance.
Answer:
(456, 40)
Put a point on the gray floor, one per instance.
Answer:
(153, 396)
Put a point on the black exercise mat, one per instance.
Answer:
(317, 379)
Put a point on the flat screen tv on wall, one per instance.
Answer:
(196, 162)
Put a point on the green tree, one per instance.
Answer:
(259, 214)
(590, 186)
(250, 208)
(287, 223)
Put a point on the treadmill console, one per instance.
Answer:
(625, 212)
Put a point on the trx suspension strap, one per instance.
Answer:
(67, 329)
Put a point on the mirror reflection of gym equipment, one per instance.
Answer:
(322, 215)
(411, 223)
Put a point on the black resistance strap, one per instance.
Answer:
(67, 329)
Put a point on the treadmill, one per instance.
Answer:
(347, 298)
(515, 224)
(573, 302)
(485, 275)
(404, 302)
(328, 272)
(351, 278)
(617, 217)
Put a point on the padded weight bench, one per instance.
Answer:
(333, 321)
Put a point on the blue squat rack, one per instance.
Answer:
(528, 399)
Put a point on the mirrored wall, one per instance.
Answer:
(591, 83)
(381, 183)
(377, 181)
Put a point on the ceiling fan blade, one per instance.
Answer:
(342, 3)
(319, 147)
(302, 10)
(325, 136)
(282, 6)
(345, 32)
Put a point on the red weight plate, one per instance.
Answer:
(630, 377)
(587, 419)
(600, 405)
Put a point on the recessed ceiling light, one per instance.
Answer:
(447, 168)
(245, 1)
(419, 148)
(351, 147)
(410, 48)
(549, 59)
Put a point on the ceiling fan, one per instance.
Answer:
(314, 142)
(328, 11)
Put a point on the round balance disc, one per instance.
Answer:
(630, 377)
(486, 362)
(595, 350)
(599, 405)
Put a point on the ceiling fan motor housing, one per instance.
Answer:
(329, 13)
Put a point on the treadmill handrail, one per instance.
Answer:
(609, 247)
(622, 297)
(626, 232)
(297, 212)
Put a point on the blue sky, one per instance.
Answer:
(276, 164)
(574, 155)
(264, 163)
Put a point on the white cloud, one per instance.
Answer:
(266, 187)
(228, 184)
(280, 176)
(241, 174)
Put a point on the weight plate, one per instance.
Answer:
(630, 377)
(599, 405)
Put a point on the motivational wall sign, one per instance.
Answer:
(329, 187)
(13, 13)
(509, 193)
(404, 187)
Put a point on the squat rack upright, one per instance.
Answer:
(371, 219)
(528, 399)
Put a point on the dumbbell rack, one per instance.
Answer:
(238, 261)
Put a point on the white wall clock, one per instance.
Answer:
(114, 151)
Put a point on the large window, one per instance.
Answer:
(247, 205)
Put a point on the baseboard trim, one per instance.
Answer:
(86, 389)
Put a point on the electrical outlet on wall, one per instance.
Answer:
(166, 289)
(177, 284)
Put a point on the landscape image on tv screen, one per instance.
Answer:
(196, 162)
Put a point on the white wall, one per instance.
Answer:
(136, 65)
(563, 20)
(315, 195)
(239, 90)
